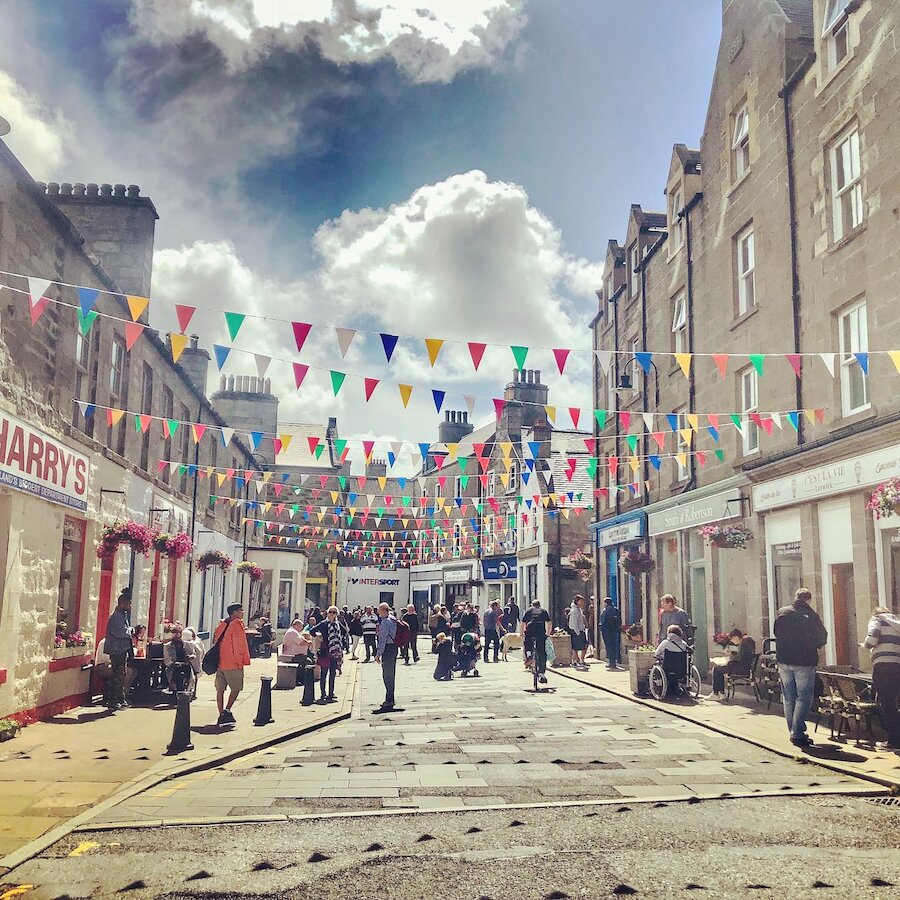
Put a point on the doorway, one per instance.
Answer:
(698, 615)
(843, 606)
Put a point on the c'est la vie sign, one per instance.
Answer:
(33, 462)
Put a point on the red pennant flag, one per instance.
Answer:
(575, 414)
(276, 442)
(371, 384)
(701, 457)
(185, 314)
(368, 447)
(133, 331)
(145, 423)
(300, 371)
(820, 416)
(796, 361)
(591, 445)
(476, 351)
(756, 419)
(713, 420)
(660, 438)
(498, 407)
(625, 419)
(767, 423)
(37, 309)
(301, 332)
(561, 357)
(479, 449)
(613, 462)
(313, 443)
(721, 361)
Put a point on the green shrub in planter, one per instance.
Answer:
(9, 728)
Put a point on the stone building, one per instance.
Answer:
(79, 448)
(772, 272)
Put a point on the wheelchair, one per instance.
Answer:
(677, 670)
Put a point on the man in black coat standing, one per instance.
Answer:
(412, 621)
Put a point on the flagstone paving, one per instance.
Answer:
(486, 741)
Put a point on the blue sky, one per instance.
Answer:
(422, 180)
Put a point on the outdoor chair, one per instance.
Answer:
(856, 704)
(751, 679)
(828, 703)
(770, 681)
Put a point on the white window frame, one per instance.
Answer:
(836, 33)
(676, 223)
(740, 142)
(746, 269)
(117, 368)
(492, 484)
(636, 370)
(853, 337)
(634, 278)
(457, 487)
(679, 322)
(457, 540)
(846, 184)
(611, 395)
(681, 446)
(438, 493)
(513, 484)
(749, 391)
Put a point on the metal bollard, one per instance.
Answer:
(264, 710)
(181, 732)
(309, 687)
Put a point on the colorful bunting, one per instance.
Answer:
(345, 339)
(221, 354)
(184, 315)
(337, 380)
(405, 391)
(684, 361)
(721, 361)
(86, 320)
(388, 342)
(301, 333)
(560, 356)
(300, 371)
(433, 346)
(136, 306)
(234, 321)
(795, 361)
(758, 360)
(133, 331)
(87, 297)
(370, 385)
(476, 351)
(178, 342)
(262, 364)
(438, 397)
(519, 355)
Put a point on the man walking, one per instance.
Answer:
(492, 627)
(577, 628)
(611, 632)
(234, 656)
(412, 622)
(118, 646)
(511, 615)
(671, 614)
(883, 639)
(369, 627)
(386, 654)
(799, 633)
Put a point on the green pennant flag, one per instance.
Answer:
(85, 322)
(318, 453)
(480, 508)
(463, 462)
(600, 416)
(337, 379)
(405, 501)
(320, 545)
(342, 480)
(736, 419)
(632, 440)
(173, 426)
(434, 523)
(720, 455)
(579, 495)
(294, 509)
(234, 321)
(212, 501)
(519, 354)
(182, 469)
(463, 481)
(340, 446)
(592, 467)
(137, 423)
(757, 359)
(380, 511)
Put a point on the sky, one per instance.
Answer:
(426, 168)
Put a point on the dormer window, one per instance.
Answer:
(676, 223)
(740, 142)
(835, 32)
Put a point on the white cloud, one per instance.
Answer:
(430, 40)
(39, 135)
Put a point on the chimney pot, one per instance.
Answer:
(268, 385)
(222, 382)
(42, 185)
(53, 188)
(79, 189)
(134, 191)
(106, 190)
(66, 189)
(119, 190)
(92, 190)
(195, 339)
(537, 376)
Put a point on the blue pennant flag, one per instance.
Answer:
(713, 433)
(530, 464)
(239, 481)
(654, 460)
(525, 477)
(672, 419)
(391, 459)
(535, 448)
(351, 498)
(87, 297)
(570, 495)
(863, 360)
(528, 503)
(285, 477)
(402, 483)
(438, 397)
(89, 410)
(255, 438)
(458, 501)
(794, 419)
(221, 355)
(423, 449)
(552, 513)
(645, 360)
(388, 341)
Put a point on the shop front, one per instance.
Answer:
(280, 593)
(500, 574)
(613, 537)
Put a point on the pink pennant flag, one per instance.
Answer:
(277, 444)
(701, 457)
(613, 463)
(590, 445)
(767, 424)
(133, 330)
(199, 430)
(476, 351)
(713, 420)
(625, 419)
(300, 371)
(561, 356)
(185, 314)
(301, 332)
(371, 384)
(368, 447)
(498, 407)
(795, 361)
(37, 287)
(145, 423)
(575, 414)
(721, 361)
(660, 438)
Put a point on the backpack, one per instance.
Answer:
(210, 662)
(401, 635)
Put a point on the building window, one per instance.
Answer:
(117, 367)
(457, 487)
(636, 369)
(82, 366)
(682, 446)
(146, 409)
(513, 485)
(745, 250)
(854, 338)
(846, 184)
(438, 493)
(676, 223)
(118, 393)
(679, 323)
(68, 603)
(457, 539)
(835, 32)
(168, 413)
(740, 143)
(492, 484)
(749, 404)
(185, 448)
(634, 277)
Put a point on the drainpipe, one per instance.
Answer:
(785, 95)
(689, 302)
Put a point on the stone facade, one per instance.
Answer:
(780, 237)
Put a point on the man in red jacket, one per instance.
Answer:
(234, 655)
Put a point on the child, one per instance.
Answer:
(443, 671)
(468, 654)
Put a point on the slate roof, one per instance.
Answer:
(298, 454)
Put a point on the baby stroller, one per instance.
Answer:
(468, 655)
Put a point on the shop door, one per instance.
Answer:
(844, 613)
(612, 576)
(698, 616)
(895, 578)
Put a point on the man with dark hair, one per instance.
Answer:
(412, 622)
(799, 633)
(386, 654)
(118, 645)
(369, 627)
(234, 657)
(536, 628)
(611, 632)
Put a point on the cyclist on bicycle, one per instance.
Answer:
(536, 629)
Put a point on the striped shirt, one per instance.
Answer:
(883, 638)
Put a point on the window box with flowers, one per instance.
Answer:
(138, 537)
(173, 546)
(726, 537)
(636, 562)
(885, 499)
(582, 564)
(212, 559)
(68, 645)
(248, 568)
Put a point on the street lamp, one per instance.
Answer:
(625, 384)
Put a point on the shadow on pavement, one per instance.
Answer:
(833, 752)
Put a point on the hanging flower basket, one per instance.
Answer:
(726, 537)
(138, 537)
(582, 564)
(174, 546)
(885, 499)
(636, 562)
(212, 559)
(248, 568)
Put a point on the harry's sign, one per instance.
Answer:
(38, 464)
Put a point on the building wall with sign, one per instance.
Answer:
(363, 586)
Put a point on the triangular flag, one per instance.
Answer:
(389, 342)
(345, 339)
(828, 359)
(136, 306)
(405, 391)
(199, 430)
(221, 354)
(313, 443)
(519, 355)
(561, 356)
(262, 364)
(721, 361)
(133, 331)
(114, 416)
(184, 314)
(551, 413)
(684, 360)
(498, 407)
(757, 359)
(37, 287)
(337, 379)
(301, 333)
(179, 342)
(604, 358)
(234, 321)
(796, 362)
(575, 415)
(371, 384)
(85, 321)
(433, 345)
(227, 435)
(476, 351)
(645, 361)
(300, 371)
(87, 297)
(438, 397)
(895, 358)
(863, 360)
(794, 419)
(600, 415)
(470, 405)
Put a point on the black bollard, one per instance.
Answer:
(264, 710)
(181, 732)
(309, 686)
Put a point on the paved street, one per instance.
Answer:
(590, 775)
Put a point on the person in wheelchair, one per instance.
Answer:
(673, 655)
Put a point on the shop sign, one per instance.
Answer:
(621, 533)
(715, 508)
(500, 568)
(33, 462)
(787, 551)
(457, 576)
(835, 478)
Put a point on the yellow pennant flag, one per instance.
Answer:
(221, 476)
(116, 415)
(434, 347)
(551, 413)
(266, 477)
(451, 450)
(321, 515)
(506, 449)
(136, 306)
(565, 512)
(810, 416)
(507, 464)
(179, 342)
(382, 481)
(334, 496)
(693, 420)
(686, 435)
(634, 463)
(504, 479)
(285, 441)
(895, 358)
(405, 391)
(267, 506)
(684, 360)
(209, 471)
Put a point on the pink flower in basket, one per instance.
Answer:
(248, 568)
(138, 537)
(213, 558)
